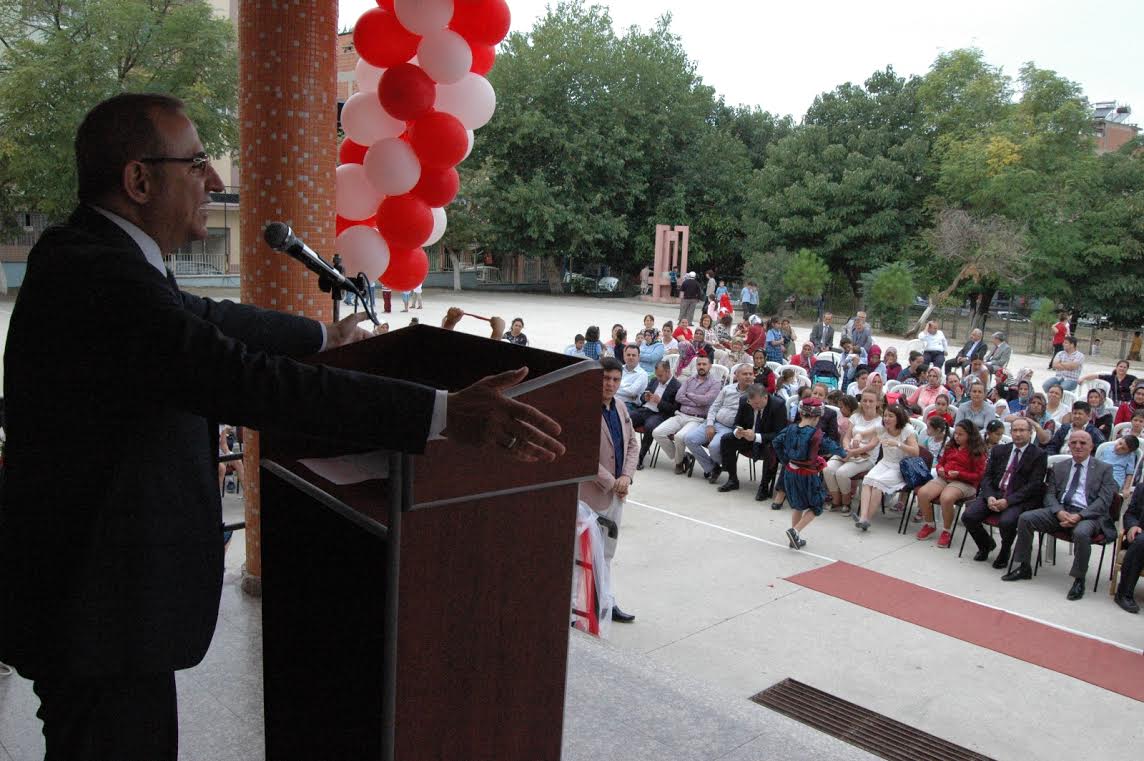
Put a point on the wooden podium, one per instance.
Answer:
(426, 615)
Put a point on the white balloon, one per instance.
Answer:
(445, 56)
(365, 121)
(392, 167)
(440, 222)
(367, 76)
(423, 16)
(471, 100)
(363, 250)
(355, 197)
(472, 141)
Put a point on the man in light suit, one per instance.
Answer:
(619, 452)
(999, 356)
(822, 334)
(1014, 482)
(1078, 496)
(111, 557)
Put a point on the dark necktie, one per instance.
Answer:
(1074, 484)
(755, 427)
(1013, 460)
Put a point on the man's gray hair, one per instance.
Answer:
(756, 390)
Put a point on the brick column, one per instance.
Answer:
(287, 132)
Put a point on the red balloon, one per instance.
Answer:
(341, 224)
(382, 41)
(485, 22)
(439, 140)
(350, 152)
(407, 269)
(437, 187)
(484, 56)
(404, 221)
(386, 4)
(406, 92)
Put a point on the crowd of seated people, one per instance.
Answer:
(829, 428)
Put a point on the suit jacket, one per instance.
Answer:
(999, 356)
(1027, 482)
(772, 418)
(1059, 441)
(1099, 489)
(822, 336)
(1134, 515)
(667, 404)
(978, 351)
(110, 545)
(598, 493)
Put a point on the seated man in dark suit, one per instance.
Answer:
(761, 417)
(974, 349)
(658, 405)
(1134, 558)
(1078, 497)
(1014, 482)
(1081, 420)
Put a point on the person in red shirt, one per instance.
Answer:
(804, 360)
(959, 471)
(1125, 412)
(756, 335)
(683, 332)
(1060, 330)
(942, 409)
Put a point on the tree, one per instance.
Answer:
(971, 249)
(806, 274)
(59, 59)
(768, 271)
(850, 183)
(468, 226)
(889, 291)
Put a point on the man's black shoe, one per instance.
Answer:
(761, 495)
(713, 476)
(1127, 603)
(1076, 591)
(983, 555)
(1019, 573)
(639, 465)
(1002, 559)
(731, 485)
(620, 617)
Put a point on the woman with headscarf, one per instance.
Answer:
(893, 367)
(764, 375)
(686, 366)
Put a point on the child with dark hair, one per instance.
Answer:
(800, 449)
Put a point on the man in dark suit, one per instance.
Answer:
(1014, 482)
(974, 349)
(760, 418)
(1079, 419)
(658, 405)
(111, 556)
(822, 334)
(1134, 557)
(1078, 497)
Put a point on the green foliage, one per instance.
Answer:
(1045, 314)
(62, 58)
(806, 274)
(850, 183)
(768, 270)
(889, 291)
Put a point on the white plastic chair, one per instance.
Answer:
(1067, 398)
(927, 410)
(1055, 458)
(1103, 385)
(720, 373)
(774, 366)
(720, 355)
(672, 362)
(1120, 429)
(798, 370)
(832, 356)
(889, 386)
(919, 426)
(1104, 447)
(837, 411)
(915, 345)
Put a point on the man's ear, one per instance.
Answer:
(138, 184)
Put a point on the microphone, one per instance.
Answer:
(280, 237)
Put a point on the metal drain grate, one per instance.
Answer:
(860, 726)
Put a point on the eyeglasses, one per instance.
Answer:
(198, 162)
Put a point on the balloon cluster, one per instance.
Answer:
(421, 94)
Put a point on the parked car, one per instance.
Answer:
(1011, 316)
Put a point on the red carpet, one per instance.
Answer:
(1107, 666)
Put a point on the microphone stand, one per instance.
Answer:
(360, 286)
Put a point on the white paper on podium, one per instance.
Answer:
(350, 468)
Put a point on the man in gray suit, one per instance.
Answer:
(1000, 354)
(1078, 496)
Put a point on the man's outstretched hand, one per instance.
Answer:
(345, 331)
(481, 415)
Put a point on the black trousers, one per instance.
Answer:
(976, 513)
(649, 419)
(1131, 567)
(934, 358)
(731, 447)
(127, 718)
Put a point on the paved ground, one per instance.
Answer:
(716, 622)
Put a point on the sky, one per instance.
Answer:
(780, 55)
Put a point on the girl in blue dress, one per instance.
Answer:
(802, 449)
